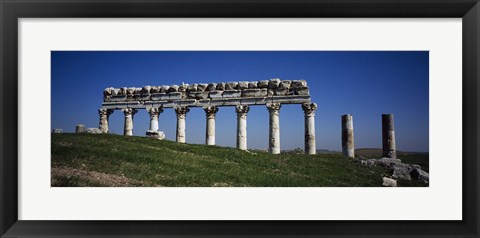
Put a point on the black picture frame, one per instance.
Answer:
(11, 11)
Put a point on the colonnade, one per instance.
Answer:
(210, 111)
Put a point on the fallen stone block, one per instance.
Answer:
(388, 182)
(420, 175)
(155, 134)
(402, 171)
(57, 131)
(80, 128)
(94, 131)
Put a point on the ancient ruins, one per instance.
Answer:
(271, 93)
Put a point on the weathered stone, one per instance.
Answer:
(155, 134)
(388, 136)
(388, 182)
(181, 115)
(158, 96)
(212, 87)
(302, 91)
(254, 92)
(94, 131)
(166, 89)
(155, 89)
(231, 86)
(80, 128)
(57, 131)
(242, 85)
(262, 84)
(173, 88)
(115, 91)
(253, 84)
(285, 84)
(198, 95)
(182, 88)
(192, 87)
(348, 148)
(128, 126)
(217, 94)
(387, 162)
(273, 83)
(154, 114)
(242, 111)
(123, 91)
(232, 94)
(146, 90)
(202, 86)
(274, 127)
(220, 86)
(104, 115)
(402, 171)
(310, 144)
(298, 84)
(420, 175)
(210, 112)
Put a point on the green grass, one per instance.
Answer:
(113, 160)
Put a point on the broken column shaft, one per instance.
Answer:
(388, 136)
(348, 147)
(104, 115)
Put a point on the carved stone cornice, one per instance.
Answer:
(309, 108)
(210, 111)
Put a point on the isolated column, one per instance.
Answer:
(388, 136)
(348, 148)
(181, 114)
(242, 111)
(154, 114)
(128, 127)
(210, 132)
(104, 115)
(310, 144)
(274, 125)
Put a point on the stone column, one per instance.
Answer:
(154, 113)
(104, 115)
(388, 136)
(348, 148)
(181, 114)
(310, 144)
(210, 111)
(274, 128)
(242, 111)
(128, 127)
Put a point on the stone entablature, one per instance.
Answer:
(213, 94)
(270, 93)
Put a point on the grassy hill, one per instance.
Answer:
(114, 160)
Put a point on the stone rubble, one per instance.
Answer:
(388, 182)
(263, 88)
(94, 131)
(155, 134)
(57, 131)
(399, 170)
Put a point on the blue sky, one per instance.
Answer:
(362, 83)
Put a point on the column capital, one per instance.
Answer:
(181, 111)
(211, 111)
(242, 109)
(154, 111)
(273, 106)
(105, 112)
(309, 108)
(129, 111)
